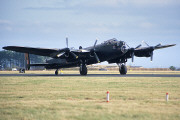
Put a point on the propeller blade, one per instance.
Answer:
(157, 45)
(95, 43)
(151, 56)
(127, 45)
(138, 46)
(132, 56)
(66, 51)
(96, 57)
(93, 51)
(67, 42)
(60, 54)
(74, 55)
(145, 43)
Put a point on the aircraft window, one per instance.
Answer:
(117, 43)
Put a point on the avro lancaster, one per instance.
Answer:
(112, 51)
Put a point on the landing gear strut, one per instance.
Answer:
(83, 69)
(122, 69)
(56, 72)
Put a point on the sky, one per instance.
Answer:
(46, 23)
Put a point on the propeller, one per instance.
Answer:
(93, 51)
(152, 49)
(151, 54)
(67, 51)
(132, 51)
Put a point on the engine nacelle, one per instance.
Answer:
(142, 53)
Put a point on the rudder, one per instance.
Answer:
(27, 61)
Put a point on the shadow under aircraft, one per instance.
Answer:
(112, 51)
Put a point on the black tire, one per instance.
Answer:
(56, 72)
(83, 70)
(123, 69)
(21, 70)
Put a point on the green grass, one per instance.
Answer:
(84, 97)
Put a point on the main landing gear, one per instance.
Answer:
(83, 69)
(122, 69)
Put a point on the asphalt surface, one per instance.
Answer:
(92, 75)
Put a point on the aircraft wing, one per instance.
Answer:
(159, 46)
(140, 52)
(30, 50)
(60, 53)
(163, 46)
(147, 51)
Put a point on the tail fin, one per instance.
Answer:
(27, 61)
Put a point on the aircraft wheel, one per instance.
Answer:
(56, 72)
(83, 70)
(123, 69)
(21, 70)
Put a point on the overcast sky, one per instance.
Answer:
(46, 23)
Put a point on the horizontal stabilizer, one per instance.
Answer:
(44, 64)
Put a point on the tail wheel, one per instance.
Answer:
(123, 69)
(83, 70)
(56, 72)
(22, 70)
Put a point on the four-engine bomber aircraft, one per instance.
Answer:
(112, 51)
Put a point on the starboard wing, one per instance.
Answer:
(147, 51)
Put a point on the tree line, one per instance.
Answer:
(10, 59)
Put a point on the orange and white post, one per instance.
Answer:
(167, 97)
(107, 98)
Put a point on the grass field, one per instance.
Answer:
(84, 98)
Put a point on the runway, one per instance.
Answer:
(91, 75)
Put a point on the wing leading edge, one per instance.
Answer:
(30, 50)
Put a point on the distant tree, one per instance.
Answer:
(9, 59)
(37, 59)
(172, 68)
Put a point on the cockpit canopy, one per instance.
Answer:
(117, 44)
(114, 41)
(111, 41)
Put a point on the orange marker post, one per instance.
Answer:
(107, 98)
(167, 97)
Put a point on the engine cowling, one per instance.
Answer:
(142, 53)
